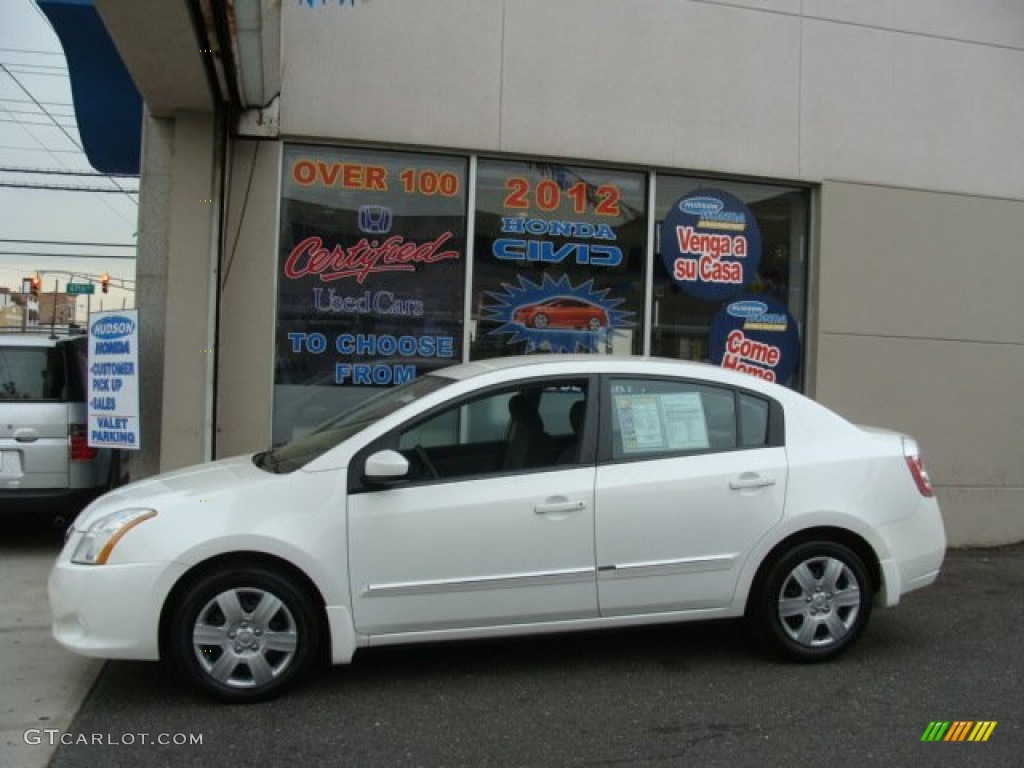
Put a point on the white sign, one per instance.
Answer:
(113, 395)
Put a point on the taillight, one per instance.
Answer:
(917, 470)
(78, 444)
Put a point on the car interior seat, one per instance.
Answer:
(528, 445)
(570, 454)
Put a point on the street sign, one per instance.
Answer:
(81, 288)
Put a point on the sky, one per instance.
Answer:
(38, 133)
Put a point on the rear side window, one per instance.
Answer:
(651, 417)
(661, 417)
(753, 421)
(32, 373)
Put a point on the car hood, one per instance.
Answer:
(200, 480)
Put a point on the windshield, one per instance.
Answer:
(302, 450)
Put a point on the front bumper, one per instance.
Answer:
(110, 611)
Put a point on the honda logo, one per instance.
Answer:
(374, 219)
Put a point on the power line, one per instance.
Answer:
(63, 67)
(69, 255)
(33, 74)
(33, 101)
(69, 242)
(70, 137)
(28, 50)
(35, 113)
(43, 109)
(60, 188)
(58, 172)
(46, 124)
(41, 149)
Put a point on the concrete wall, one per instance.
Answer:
(151, 286)
(173, 273)
(915, 93)
(245, 357)
(921, 329)
(188, 322)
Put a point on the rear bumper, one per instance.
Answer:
(918, 547)
(35, 503)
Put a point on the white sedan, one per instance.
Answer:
(505, 497)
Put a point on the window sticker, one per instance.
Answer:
(640, 423)
(668, 422)
(686, 424)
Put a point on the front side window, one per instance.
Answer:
(302, 450)
(526, 427)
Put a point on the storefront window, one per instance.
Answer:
(373, 257)
(371, 277)
(730, 275)
(558, 261)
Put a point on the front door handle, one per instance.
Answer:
(751, 480)
(559, 506)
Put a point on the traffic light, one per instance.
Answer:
(36, 282)
(105, 282)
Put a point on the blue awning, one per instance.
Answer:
(108, 107)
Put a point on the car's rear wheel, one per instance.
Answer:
(245, 633)
(594, 324)
(815, 601)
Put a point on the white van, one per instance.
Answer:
(47, 469)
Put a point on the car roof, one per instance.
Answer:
(30, 339)
(545, 364)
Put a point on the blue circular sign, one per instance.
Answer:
(711, 244)
(756, 335)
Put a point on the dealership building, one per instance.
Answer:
(341, 195)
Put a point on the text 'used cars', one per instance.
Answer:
(531, 494)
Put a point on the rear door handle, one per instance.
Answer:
(749, 480)
(26, 435)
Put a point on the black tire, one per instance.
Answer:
(244, 633)
(814, 602)
(540, 321)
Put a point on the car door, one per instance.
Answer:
(691, 477)
(33, 418)
(480, 532)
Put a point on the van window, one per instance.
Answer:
(32, 373)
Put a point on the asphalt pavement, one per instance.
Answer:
(41, 684)
(687, 694)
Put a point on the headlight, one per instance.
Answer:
(104, 533)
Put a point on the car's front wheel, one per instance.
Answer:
(244, 633)
(815, 601)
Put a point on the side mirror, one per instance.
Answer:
(385, 467)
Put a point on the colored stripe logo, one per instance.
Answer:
(958, 730)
